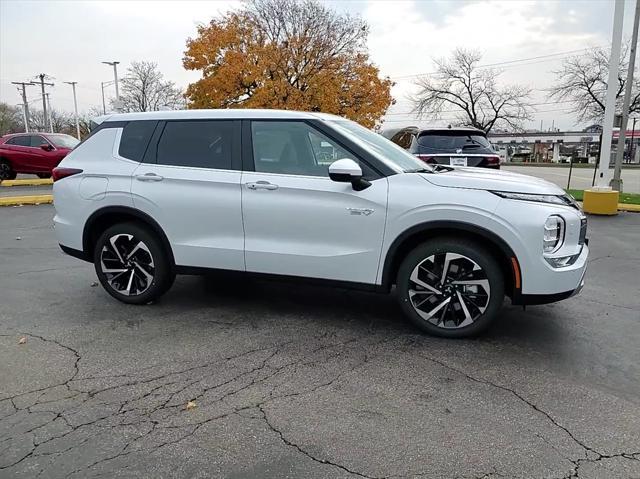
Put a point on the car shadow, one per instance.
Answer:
(328, 305)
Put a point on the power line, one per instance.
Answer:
(507, 62)
(455, 111)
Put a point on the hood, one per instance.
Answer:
(488, 179)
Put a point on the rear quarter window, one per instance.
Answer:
(135, 139)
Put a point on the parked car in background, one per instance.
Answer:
(35, 153)
(447, 146)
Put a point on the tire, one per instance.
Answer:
(450, 310)
(131, 264)
(44, 175)
(6, 172)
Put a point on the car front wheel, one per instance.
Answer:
(450, 287)
(131, 264)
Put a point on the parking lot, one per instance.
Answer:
(228, 377)
(581, 178)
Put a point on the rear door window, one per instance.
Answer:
(135, 138)
(20, 141)
(198, 143)
(451, 142)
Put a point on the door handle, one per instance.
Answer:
(149, 177)
(262, 185)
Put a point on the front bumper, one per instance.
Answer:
(573, 278)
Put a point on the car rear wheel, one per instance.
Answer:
(131, 264)
(450, 287)
(6, 172)
(44, 175)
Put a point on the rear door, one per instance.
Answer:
(297, 220)
(189, 182)
(19, 149)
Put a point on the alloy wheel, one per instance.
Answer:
(5, 171)
(127, 264)
(449, 290)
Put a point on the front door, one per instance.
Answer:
(299, 222)
(190, 183)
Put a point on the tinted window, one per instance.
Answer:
(203, 144)
(37, 140)
(135, 138)
(293, 148)
(453, 141)
(19, 141)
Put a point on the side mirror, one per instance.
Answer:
(46, 147)
(348, 171)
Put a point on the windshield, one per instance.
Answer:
(63, 141)
(450, 142)
(381, 147)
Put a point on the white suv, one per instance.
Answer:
(308, 195)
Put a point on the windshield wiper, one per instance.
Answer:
(473, 145)
(420, 170)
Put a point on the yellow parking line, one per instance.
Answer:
(29, 182)
(26, 200)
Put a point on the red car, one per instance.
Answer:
(35, 153)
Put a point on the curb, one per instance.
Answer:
(26, 200)
(29, 182)
(628, 207)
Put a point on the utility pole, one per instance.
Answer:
(616, 182)
(632, 152)
(50, 116)
(42, 77)
(610, 101)
(25, 103)
(75, 105)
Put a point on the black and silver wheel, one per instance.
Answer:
(450, 287)
(131, 264)
(6, 172)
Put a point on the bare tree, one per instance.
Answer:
(10, 119)
(472, 94)
(62, 121)
(144, 89)
(582, 81)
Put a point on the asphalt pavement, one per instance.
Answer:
(253, 379)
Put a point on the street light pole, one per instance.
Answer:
(616, 182)
(115, 77)
(75, 105)
(610, 99)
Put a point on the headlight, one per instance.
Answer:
(564, 200)
(553, 234)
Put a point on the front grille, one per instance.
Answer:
(583, 231)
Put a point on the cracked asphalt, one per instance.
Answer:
(307, 382)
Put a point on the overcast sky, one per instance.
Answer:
(68, 40)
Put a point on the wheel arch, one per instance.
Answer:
(412, 237)
(105, 217)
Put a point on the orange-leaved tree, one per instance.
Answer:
(289, 54)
